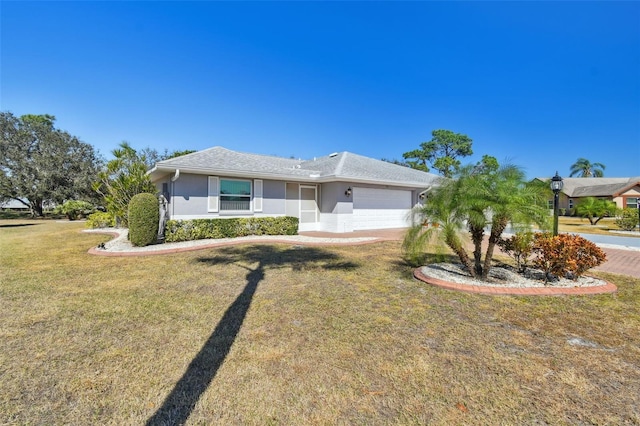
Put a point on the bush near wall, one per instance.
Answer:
(144, 215)
(200, 229)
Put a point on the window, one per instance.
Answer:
(631, 202)
(550, 204)
(235, 195)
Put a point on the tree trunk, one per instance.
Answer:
(477, 235)
(497, 227)
(36, 208)
(462, 255)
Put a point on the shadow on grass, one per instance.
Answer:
(17, 225)
(179, 404)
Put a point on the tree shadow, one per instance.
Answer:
(17, 225)
(179, 404)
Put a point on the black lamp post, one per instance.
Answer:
(556, 187)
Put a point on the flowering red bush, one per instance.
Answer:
(565, 255)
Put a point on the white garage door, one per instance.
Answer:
(380, 208)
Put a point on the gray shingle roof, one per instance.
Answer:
(343, 166)
(595, 187)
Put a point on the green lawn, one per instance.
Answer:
(282, 334)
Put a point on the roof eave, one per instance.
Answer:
(236, 173)
(625, 189)
(161, 170)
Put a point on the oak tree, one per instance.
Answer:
(41, 164)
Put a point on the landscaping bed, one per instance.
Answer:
(297, 335)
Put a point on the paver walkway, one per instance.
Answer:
(624, 262)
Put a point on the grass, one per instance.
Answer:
(281, 334)
(581, 225)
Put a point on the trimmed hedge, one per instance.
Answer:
(200, 229)
(144, 215)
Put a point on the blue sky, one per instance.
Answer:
(538, 83)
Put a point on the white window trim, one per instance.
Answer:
(213, 199)
(250, 196)
(257, 195)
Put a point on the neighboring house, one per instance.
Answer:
(16, 205)
(625, 192)
(341, 192)
(13, 205)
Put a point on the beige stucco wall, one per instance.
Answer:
(633, 192)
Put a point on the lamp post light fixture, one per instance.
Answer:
(556, 187)
(348, 192)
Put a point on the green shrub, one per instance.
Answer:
(74, 209)
(562, 211)
(144, 215)
(565, 255)
(627, 219)
(101, 220)
(518, 246)
(198, 229)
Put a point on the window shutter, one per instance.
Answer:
(257, 195)
(213, 194)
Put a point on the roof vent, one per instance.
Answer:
(334, 154)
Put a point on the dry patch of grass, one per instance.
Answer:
(295, 335)
(581, 225)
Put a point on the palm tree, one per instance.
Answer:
(479, 197)
(585, 168)
(443, 210)
(595, 209)
(121, 179)
(510, 199)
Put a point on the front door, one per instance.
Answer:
(308, 208)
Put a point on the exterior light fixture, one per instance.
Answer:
(556, 187)
(348, 192)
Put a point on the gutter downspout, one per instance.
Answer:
(173, 179)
